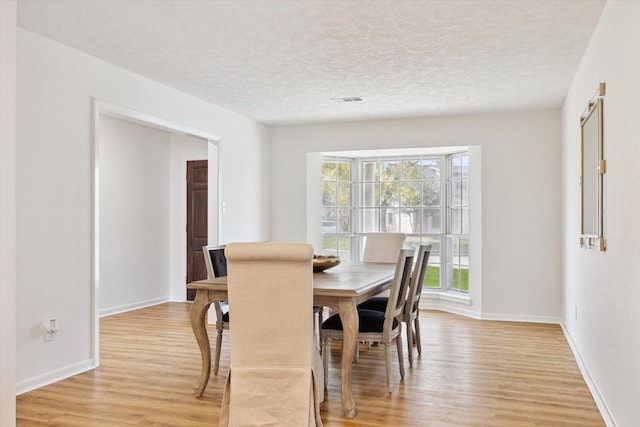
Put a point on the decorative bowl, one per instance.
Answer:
(323, 262)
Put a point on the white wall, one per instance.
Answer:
(7, 213)
(56, 86)
(520, 198)
(603, 286)
(134, 215)
(143, 203)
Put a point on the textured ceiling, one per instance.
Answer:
(280, 62)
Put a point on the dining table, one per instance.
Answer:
(342, 288)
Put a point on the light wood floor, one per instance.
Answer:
(472, 373)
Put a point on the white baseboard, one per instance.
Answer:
(449, 308)
(449, 303)
(133, 306)
(593, 388)
(555, 320)
(54, 376)
(463, 310)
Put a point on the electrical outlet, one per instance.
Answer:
(49, 335)
(51, 330)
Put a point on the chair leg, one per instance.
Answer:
(418, 343)
(400, 355)
(325, 359)
(387, 355)
(410, 342)
(320, 320)
(216, 363)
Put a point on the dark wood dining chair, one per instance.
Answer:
(216, 263)
(376, 326)
(411, 311)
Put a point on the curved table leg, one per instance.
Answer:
(350, 324)
(219, 328)
(197, 317)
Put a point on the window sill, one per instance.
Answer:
(447, 296)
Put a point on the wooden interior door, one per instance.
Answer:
(197, 195)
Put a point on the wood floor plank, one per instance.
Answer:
(471, 373)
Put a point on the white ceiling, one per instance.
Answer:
(281, 61)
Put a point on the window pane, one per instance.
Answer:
(390, 193)
(456, 193)
(432, 277)
(431, 193)
(390, 171)
(328, 170)
(410, 220)
(458, 264)
(336, 200)
(370, 171)
(465, 192)
(431, 221)
(430, 169)
(465, 221)
(329, 244)
(411, 170)
(344, 247)
(455, 221)
(456, 167)
(411, 194)
(329, 193)
(344, 220)
(390, 220)
(370, 196)
(369, 220)
(344, 194)
(449, 262)
(412, 242)
(464, 165)
(328, 214)
(344, 171)
(461, 266)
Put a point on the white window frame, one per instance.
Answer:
(356, 234)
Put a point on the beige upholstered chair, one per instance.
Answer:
(411, 313)
(216, 263)
(383, 247)
(276, 375)
(376, 326)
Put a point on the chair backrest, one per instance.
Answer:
(270, 290)
(271, 295)
(399, 286)
(383, 247)
(215, 260)
(417, 279)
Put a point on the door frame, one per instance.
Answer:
(104, 108)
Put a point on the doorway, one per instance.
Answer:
(173, 255)
(197, 237)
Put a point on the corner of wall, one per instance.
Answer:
(8, 29)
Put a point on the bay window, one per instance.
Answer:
(424, 196)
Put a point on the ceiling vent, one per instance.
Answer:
(347, 99)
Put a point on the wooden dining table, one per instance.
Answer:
(342, 288)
